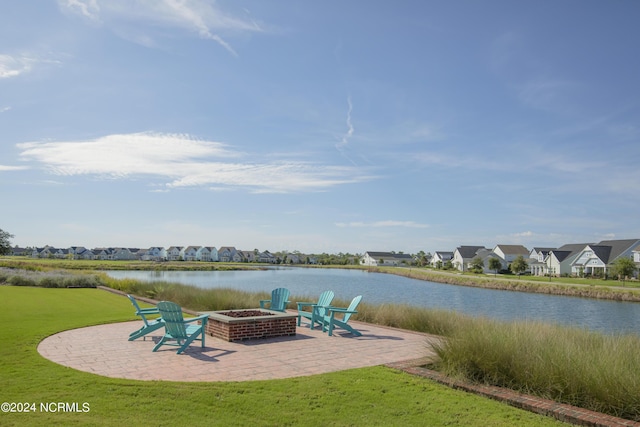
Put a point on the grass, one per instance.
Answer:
(569, 365)
(367, 397)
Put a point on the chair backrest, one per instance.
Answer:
(173, 320)
(138, 312)
(324, 300)
(352, 307)
(279, 298)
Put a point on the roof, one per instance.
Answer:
(378, 255)
(618, 247)
(469, 251)
(513, 249)
(561, 255)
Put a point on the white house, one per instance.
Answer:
(189, 253)
(373, 259)
(536, 261)
(173, 253)
(598, 259)
(440, 258)
(508, 253)
(226, 253)
(154, 253)
(464, 255)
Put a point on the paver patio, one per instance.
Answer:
(104, 350)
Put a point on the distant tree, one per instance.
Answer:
(448, 265)
(495, 264)
(438, 265)
(519, 265)
(477, 265)
(5, 243)
(624, 267)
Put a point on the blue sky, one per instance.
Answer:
(319, 126)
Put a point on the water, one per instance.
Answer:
(601, 315)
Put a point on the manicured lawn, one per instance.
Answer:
(366, 397)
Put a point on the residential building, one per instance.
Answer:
(463, 255)
(440, 258)
(385, 259)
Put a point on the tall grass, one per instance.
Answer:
(48, 279)
(569, 365)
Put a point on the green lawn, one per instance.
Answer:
(360, 397)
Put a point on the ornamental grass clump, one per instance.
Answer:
(575, 366)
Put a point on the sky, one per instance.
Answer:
(319, 126)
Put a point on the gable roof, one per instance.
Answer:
(388, 255)
(469, 251)
(561, 255)
(618, 247)
(513, 249)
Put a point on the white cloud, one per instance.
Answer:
(11, 168)
(379, 224)
(13, 66)
(200, 17)
(185, 162)
(4, 109)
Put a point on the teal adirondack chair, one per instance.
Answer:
(178, 329)
(149, 325)
(317, 308)
(329, 321)
(279, 300)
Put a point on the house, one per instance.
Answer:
(173, 253)
(463, 255)
(374, 259)
(248, 256)
(124, 254)
(154, 253)
(508, 253)
(558, 261)
(440, 258)
(597, 260)
(226, 253)
(238, 256)
(636, 255)
(204, 253)
(189, 253)
(102, 253)
(536, 260)
(17, 251)
(266, 257)
(86, 254)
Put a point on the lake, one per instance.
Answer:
(378, 288)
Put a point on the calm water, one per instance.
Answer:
(601, 315)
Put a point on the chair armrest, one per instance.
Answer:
(341, 310)
(193, 319)
(305, 304)
(148, 311)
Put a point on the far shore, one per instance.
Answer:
(587, 288)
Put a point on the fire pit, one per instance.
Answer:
(240, 325)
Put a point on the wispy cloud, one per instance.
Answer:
(5, 168)
(16, 65)
(200, 17)
(380, 224)
(13, 66)
(342, 145)
(4, 109)
(184, 161)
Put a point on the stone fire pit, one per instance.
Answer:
(240, 325)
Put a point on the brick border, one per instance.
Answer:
(560, 411)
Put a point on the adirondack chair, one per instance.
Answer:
(178, 329)
(317, 308)
(279, 300)
(149, 325)
(329, 320)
